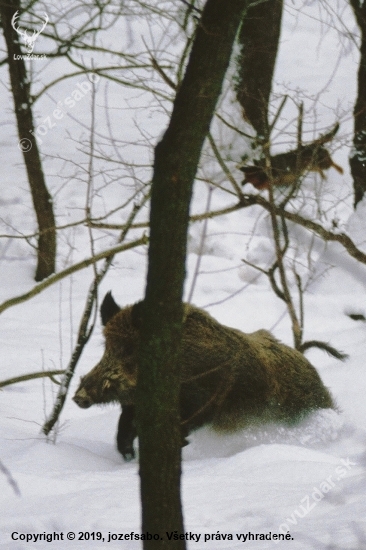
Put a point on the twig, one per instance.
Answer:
(279, 111)
(301, 300)
(299, 125)
(191, 6)
(10, 479)
(200, 251)
(162, 73)
(280, 254)
(221, 162)
(233, 127)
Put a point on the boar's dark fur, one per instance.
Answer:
(229, 379)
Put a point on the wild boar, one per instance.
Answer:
(229, 379)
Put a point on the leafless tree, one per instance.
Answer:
(259, 41)
(358, 157)
(20, 88)
(176, 160)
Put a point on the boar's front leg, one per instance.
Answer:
(126, 432)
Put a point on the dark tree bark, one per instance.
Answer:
(358, 158)
(176, 160)
(259, 38)
(42, 201)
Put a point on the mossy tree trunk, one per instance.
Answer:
(176, 161)
(258, 39)
(42, 201)
(358, 157)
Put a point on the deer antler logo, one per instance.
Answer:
(28, 40)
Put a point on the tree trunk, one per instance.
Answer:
(358, 157)
(176, 160)
(42, 201)
(259, 38)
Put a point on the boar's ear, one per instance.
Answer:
(136, 314)
(108, 309)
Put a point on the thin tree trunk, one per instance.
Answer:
(42, 200)
(259, 38)
(85, 327)
(176, 160)
(358, 158)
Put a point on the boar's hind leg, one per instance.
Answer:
(126, 432)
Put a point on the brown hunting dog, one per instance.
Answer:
(287, 168)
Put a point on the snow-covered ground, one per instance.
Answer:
(308, 480)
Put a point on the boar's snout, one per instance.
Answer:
(82, 400)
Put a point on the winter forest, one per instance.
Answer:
(205, 151)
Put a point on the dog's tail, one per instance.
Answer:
(326, 137)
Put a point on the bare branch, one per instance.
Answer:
(72, 269)
(280, 254)
(251, 200)
(221, 162)
(341, 238)
(31, 376)
(10, 479)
